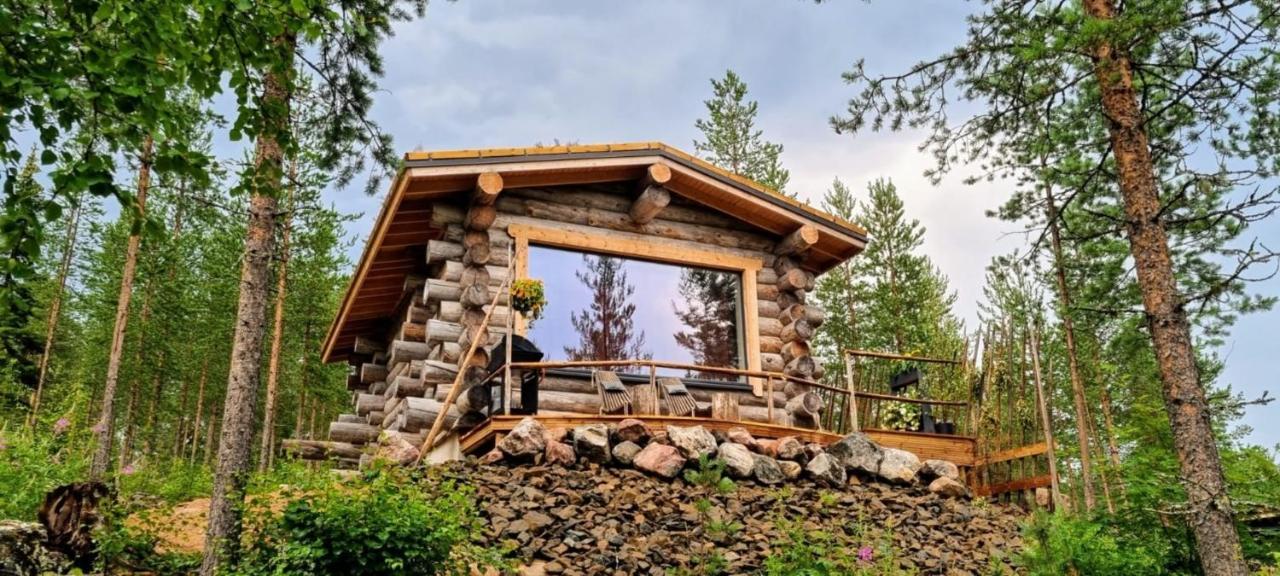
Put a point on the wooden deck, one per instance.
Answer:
(958, 449)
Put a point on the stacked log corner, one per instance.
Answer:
(400, 378)
(792, 324)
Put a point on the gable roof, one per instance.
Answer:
(394, 248)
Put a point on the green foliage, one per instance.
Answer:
(709, 475)
(846, 549)
(1056, 544)
(388, 524)
(133, 548)
(732, 140)
(31, 464)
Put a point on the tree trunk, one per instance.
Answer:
(55, 310)
(1073, 362)
(235, 446)
(195, 428)
(266, 454)
(1211, 516)
(103, 430)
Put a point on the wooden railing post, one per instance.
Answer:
(852, 405)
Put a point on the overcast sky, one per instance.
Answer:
(496, 73)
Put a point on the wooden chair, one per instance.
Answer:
(678, 399)
(614, 396)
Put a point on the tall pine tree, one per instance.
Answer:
(732, 140)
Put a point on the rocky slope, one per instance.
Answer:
(567, 501)
(603, 520)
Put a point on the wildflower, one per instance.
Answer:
(865, 554)
(98, 428)
(128, 470)
(3, 446)
(61, 425)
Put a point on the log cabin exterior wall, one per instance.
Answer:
(403, 370)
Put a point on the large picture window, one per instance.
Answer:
(602, 307)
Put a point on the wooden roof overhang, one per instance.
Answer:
(395, 247)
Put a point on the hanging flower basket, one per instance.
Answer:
(528, 298)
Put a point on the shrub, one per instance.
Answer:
(390, 524)
(31, 464)
(1057, 544)
(844, 549)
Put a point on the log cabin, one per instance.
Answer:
(704, 275)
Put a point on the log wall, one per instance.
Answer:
(401, 376)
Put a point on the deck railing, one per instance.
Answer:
(869, 374)
(830, 418)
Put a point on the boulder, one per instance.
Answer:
(766, 470)
(934, 468)
(948, 488)
(826, 470)
(790, 469)
(591, 441)
(738, 460)
(812, 449)
(526, 440)
(740, 435)
(560, 454)
(898, 466)
(492, 457)
(22, 551)
(1043, 497)
(789, 448)
(625, 452)
(395, 448)
(692, 441)
(557, 434)
(632, 430)
(766, 446)
(659, 460)
(660, 437)
(857, 452)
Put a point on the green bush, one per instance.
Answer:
(390, 524)
(844, 548)
(1057, 544)
(31, 464)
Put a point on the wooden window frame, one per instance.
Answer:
(657, 251)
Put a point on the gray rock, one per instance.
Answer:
(857, 452)
(738, 461)
(766, 470)
(898, 466)
(933, 468)
(625, 452)
(948, 488)
(790, 469)
(526, 440)
(591, 442)
(22, 551)
(692, 441)
(827, 470)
